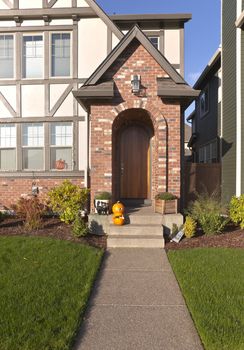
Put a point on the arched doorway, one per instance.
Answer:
(132, 154)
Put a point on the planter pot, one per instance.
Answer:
(166, 206)
(102, 206)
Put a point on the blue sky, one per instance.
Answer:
(202, 35)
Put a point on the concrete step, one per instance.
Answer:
(134, 219)
(138, 242)
(136, 230)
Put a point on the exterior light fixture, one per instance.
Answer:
(136, 83)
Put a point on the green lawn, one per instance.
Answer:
(44, 287)
(212, 281)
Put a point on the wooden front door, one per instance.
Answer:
(134, 163)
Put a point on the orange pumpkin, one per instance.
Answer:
(118, 220)
(118, 209)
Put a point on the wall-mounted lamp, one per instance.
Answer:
(136, 83)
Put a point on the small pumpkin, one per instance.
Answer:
(118, 220)
(60, 164)
(118, 208)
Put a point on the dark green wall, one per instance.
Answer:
(229, 99)
(242, 112)
(207, 126)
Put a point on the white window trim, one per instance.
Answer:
(238, 104)
(50, 55)
(202, 115)
(22, 54)
(14, 56)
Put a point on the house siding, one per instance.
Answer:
(229, 99)
(210, 121)
(242, 112)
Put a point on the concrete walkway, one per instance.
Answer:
(137, 304)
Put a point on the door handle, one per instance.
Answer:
(122, 170)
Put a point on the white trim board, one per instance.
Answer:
(238, 103)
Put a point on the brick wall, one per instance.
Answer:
(165, 117)
(11, 189)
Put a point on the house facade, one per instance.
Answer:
(93, 98)
(206, 119)
(232, 91)
(218, 126)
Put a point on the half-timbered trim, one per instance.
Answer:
(7, 105)
(61, 100)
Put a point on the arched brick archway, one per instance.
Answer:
(132, 159)
(149, 117)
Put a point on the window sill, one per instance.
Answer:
(42, 174)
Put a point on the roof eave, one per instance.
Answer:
(215, 61)
(134, 33)
(181, 93)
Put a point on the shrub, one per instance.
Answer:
(175, 229)
(103, 196)
(31, 210)
(79, 227)
(167, 196)
(236, 210)
(67, 200)
(190, 227)
(207, 211)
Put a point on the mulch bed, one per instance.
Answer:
(233, 237)
(52, 227)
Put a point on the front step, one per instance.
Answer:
(131, 219)
(143, 229)
(136, 230)
(138, 242)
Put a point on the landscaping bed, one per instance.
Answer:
(44, 287)
(232, 237)
(52, 227)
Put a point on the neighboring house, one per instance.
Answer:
(233, 97)
(218, 123)
(205, 120)
(95, 99)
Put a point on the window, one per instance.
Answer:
(33, 56)
(33, 144)
(155, 41)
(208, 153)
(61, 146)
(60, 65)
(6, 56)
(204, 102)
(7, 147)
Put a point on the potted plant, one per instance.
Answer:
(166, 203)
(102, 203)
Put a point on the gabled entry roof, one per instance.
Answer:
(135, 33)
(172, 87)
